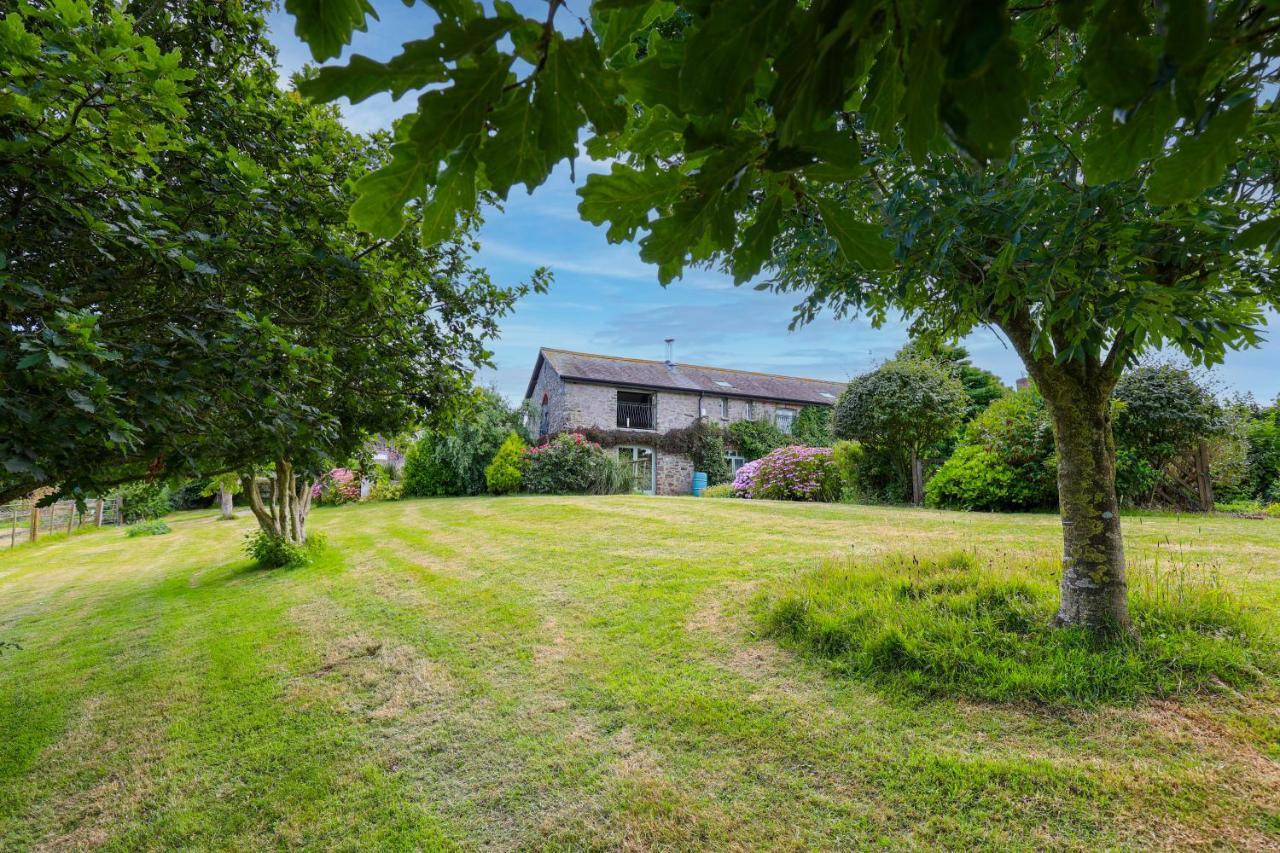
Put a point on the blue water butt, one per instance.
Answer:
(699, 483)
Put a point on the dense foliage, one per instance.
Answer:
(772, 76)
(451, 457)
(1163, 411)
(505, 473)
(182, 290)
(898, 412)
(755, 438)
(792, 473)
(570, 464)
(1003, 461)
(982, 386)
(144, 499)
(812, 427)
(707, 450)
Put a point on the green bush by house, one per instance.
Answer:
(506, 472)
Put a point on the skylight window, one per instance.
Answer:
(724, 384)
(828, 396)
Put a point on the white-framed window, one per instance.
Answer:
(724, 408)
(735, 462)
(784, 418)
(751, 410)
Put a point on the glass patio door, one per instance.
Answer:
(641, 460)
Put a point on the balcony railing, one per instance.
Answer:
(635, 415)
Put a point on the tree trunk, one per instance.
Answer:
(1094, 592)
(285, 515)
(227, 503)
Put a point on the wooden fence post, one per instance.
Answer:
(71, 518)
(97, 513)
(35, 521)
(917, 480)
(1204, 481)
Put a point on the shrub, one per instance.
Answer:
(721, 490)
(812, 427)
(1163, 411)
(142, 500)
(505, 473)
(339, 486)
(754, 439)
(707, 451)
(973, 478)
(949, 626)
(386, 490)
(566, 464)
(848, 456)
(272, 552)
(425, 476)
(1004, 461)
(192, 494)
(452, 458)
(791, 474)
(1272, 510)
(151, 527)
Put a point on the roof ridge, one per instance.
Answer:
(695, 366)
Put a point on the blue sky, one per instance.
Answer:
(605, 299)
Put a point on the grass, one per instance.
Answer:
(582, 673)
(953, 626)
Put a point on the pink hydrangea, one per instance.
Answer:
(791, 473)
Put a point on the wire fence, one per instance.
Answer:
(23, 521)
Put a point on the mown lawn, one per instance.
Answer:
(575, 673)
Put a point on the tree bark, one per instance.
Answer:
(227, 503)
(1077, 394)
(1094, 590)
(917, 480)
(285, 516)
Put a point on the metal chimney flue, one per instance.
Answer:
(671, 346)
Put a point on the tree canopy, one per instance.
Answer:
(745, 106)
(183, 292)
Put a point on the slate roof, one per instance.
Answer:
(691, 378)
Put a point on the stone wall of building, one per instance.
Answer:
(576, 405)
(550, 394)
(674, 474)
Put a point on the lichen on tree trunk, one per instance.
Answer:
(284, 514)
(1094, 588)
(1077, 393)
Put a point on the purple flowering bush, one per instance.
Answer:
(791, 473)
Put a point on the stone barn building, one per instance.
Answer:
(575, 391)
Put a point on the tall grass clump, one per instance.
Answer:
(951, 626)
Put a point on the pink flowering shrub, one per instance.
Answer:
(566, 464)
(339, 486)
(790, 474)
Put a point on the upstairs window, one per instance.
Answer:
(635, 410)
(724, 408)
(784, 418)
